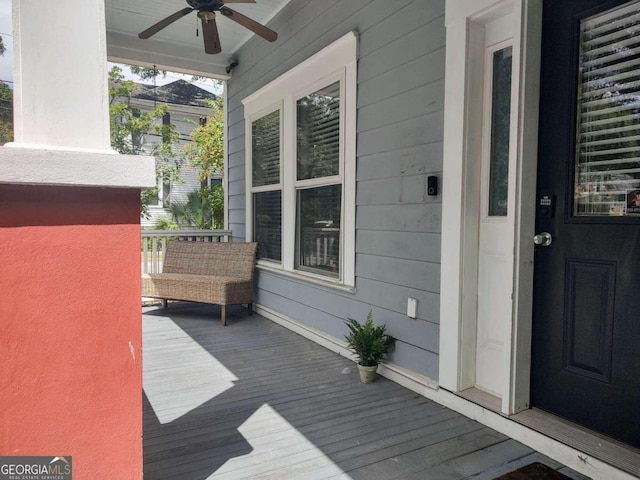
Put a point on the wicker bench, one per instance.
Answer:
(208, 272)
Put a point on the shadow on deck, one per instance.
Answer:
(255, 400)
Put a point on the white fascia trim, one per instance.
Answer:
(429, 388)
(333, 58)
(82, 168)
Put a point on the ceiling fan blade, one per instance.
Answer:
(210, 36)
(152, 30)
(252, 25)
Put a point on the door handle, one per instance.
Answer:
(543, 239)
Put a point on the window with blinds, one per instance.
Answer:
(607, 168)
(266, 186)
(318, 138)
(319, 186)
(265, 148)
(267, 224)
(301, 167)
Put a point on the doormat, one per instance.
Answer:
(533, 471)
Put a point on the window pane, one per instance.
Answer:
(318, 238)
(265, 141)
(607, 167)
(166, 194)
(267, 224)
(500, 120)
(318, 132)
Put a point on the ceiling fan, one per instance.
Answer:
(207, 12)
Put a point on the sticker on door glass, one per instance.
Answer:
(633, 202)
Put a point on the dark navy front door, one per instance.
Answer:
(586, 328)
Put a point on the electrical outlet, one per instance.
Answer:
(412, 307)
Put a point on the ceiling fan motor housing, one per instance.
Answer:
(206, 5)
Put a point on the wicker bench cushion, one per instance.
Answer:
(223, 290)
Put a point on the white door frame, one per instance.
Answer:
(465, 20)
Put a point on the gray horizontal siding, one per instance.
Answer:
(399, 143)
(396, 271)
(402, 106)
(190, 182)
(409, 133)
(417, 246)
(414, 160)
(404, 218)
(406, 77)
(394, 297)
(236, 173)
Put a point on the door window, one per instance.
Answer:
(500, 120)
(607, 167)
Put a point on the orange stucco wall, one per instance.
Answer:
(70, 327)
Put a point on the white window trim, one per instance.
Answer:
(337, 61)
(465, 20)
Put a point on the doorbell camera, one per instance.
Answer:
(432, 185)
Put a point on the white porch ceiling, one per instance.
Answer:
(176, 47)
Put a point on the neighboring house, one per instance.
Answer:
(509, 285)
(186, 109)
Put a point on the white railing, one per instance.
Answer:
(154, 244)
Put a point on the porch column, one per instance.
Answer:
(70, 322)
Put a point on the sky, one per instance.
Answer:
(6, 61)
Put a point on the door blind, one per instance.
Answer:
(607, 180)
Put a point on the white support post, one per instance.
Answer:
(60, 75)
(61, 101)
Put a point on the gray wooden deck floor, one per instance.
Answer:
(254, 400)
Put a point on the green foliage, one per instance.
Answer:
(130, 127)
(147, 73)
(368, 342)
(214, 196)
(2, 47)
(195, 212)
(6, 114)
(164, 223)
(206, 152)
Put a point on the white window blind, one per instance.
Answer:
(318, 132)
(265, 135)
(608, 133)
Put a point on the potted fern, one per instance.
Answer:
(370, 343)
